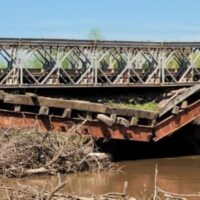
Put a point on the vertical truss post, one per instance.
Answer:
(17, 75)
(129, 64)
(161, 65)
(95, 65)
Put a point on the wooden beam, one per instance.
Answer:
(44, 110)
(31, 94)
(114, 117)
(134, 121)
(67, 113)
(2, 94)
(132, 112)
(123, 121)
(184, 105)
(190, 91)
(77, 105)
(17, 108)
(89, 116)
(55, 103)
(176, 110)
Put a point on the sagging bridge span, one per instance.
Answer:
(56, 63)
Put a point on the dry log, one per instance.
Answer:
(41, 170)
(134, 121)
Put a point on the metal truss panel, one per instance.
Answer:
(78, 63)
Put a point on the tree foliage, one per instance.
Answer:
(95, 34)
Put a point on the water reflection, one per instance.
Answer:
(181, 175)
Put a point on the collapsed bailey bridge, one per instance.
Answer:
(48, 63)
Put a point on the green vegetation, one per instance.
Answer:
(150, 106)
(34, 63)
(173, 64)
(3, 64)
(95, 34)
(196, 57)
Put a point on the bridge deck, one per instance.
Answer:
(99, 120)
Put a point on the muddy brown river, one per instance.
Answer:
(180, 175)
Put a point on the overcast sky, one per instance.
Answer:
(158, 20)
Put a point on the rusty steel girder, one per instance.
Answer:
(94, 128)
(97, 129)
(18, 115)
(175, 122)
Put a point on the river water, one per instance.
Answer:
(180, 175)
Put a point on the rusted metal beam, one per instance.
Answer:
(94, 128)
(99, 129)
(175, 122)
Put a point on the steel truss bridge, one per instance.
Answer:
(83, 63)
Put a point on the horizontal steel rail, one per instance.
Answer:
(86, 43)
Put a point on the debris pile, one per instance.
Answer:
(28, 152)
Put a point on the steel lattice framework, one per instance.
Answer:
(84, 63)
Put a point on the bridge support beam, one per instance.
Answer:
(94, 128)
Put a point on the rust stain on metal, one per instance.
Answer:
(22, 117)
(94, 128)
(175, 122)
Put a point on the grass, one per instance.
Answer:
(149, 106)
